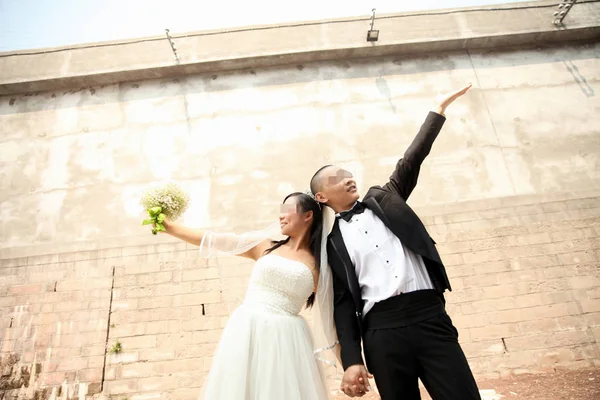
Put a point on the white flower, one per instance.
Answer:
(171, 198)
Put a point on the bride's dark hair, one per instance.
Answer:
(307, 203)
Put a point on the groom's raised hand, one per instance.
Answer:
(444, 100)
(355, 382)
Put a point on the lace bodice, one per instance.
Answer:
(279, 285)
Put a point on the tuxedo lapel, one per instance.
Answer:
(399, 228)
(374, 206)
(404, 223)
(337, 241)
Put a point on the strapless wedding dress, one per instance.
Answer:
(266, 350)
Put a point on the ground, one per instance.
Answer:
(561, 385)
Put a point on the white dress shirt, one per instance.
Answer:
(383, 265)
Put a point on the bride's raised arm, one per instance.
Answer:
(249, 245)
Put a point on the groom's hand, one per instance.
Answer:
(355, 382)
(444, 100)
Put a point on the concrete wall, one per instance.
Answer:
(510, 193)
(75, 162)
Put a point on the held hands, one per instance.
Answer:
(444, 100)
(355, 382)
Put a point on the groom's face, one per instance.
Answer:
(338, 189)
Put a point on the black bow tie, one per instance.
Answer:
(358, 208)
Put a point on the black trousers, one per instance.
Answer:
(411, 339)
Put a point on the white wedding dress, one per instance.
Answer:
(266, 351)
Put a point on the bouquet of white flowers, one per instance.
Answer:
(169, 201)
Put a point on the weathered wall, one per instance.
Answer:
(73, 161)
(510, 192)
(526, 299)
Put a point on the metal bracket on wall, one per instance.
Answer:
(563, 9)
(172, 45)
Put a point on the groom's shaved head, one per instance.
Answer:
(335, 187)
(316, 182)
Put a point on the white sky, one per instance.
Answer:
(31, 24)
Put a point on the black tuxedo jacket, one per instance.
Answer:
(388, 202)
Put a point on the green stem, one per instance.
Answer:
(156, 219)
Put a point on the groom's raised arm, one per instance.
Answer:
(404, 178)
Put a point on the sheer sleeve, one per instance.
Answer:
(214, 244)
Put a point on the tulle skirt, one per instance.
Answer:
(264, 355)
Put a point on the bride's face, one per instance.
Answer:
(293, 220)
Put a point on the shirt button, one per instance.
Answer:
(387, 262)
(366, 232)
(377, 245)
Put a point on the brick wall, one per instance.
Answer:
(526, 280)
(53, 325)
(525, 273)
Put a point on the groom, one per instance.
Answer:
(389, 282)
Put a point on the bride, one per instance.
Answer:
(266, 351)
